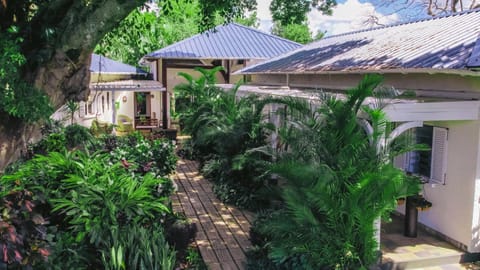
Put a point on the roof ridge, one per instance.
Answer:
(265, 33)
(214, 30)
(405, 23)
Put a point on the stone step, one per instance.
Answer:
(454, 266)
(437, 256)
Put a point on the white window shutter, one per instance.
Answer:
(400, 161)
(438, 169)
(81, 109)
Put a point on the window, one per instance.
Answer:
(430, 165)
(108, 100)
(89, 107)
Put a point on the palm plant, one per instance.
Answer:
(339, 180)
(227, 132)
(70, 108)
(191, 95)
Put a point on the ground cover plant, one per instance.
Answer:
(102, 204)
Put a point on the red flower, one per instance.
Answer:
(44, 252)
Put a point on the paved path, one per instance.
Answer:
(222, 236)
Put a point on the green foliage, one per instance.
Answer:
(17, 98)
(136, 247)
(142, 155)
(288, 12)
(144, 32)
(229, 135)
(97, 202)
(338, 181)
(71, 107)
(88, 199)
(251, 20)
(100, 128)
(297, 32)
(23, 233)
(54, 142)
(194, 260)
(76, 135)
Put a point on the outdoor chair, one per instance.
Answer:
(124, 125)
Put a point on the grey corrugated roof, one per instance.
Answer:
(231, 41)
(103, 64)
(440, 43)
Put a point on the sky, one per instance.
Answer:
(348, 15)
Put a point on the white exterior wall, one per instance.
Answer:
(455, 210)
(453, 204)
(125, 108)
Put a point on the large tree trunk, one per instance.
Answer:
(65, 74)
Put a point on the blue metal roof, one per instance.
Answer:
(102, 64)
(442, 43)
(231, 41)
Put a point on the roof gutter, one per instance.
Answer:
(466, 72)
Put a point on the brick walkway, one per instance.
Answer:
(222, 236)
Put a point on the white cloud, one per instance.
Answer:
(348, 16)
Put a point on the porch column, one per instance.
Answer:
(165, 105)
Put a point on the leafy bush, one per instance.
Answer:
(156, 156)
(76, 135)
(53, 142)
(87, 197)
(230, 136)
(23, 234)
(137, 247)
(338, 181)
(101, 128)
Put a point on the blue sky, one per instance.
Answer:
(349, 15)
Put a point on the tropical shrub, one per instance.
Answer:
(87, 199)
(100, 128)
(76, 135)
(337, 181)
(145, 155)
(228, 134)
(24, 241)
(54, 142)
(138, 247)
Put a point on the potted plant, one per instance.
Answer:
(421, 203)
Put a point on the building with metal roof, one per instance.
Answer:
(435, 63)
(441, 44)
(231, 46)
(119, 91)
(102, 64)
(231, 41)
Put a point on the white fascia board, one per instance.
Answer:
(433, 111)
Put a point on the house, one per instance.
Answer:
(232, 46)
(435, 60)
(120, 94)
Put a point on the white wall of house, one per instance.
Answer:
(455, 204)
(125, 107)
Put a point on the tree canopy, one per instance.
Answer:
(290, 17)
(45, 56)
